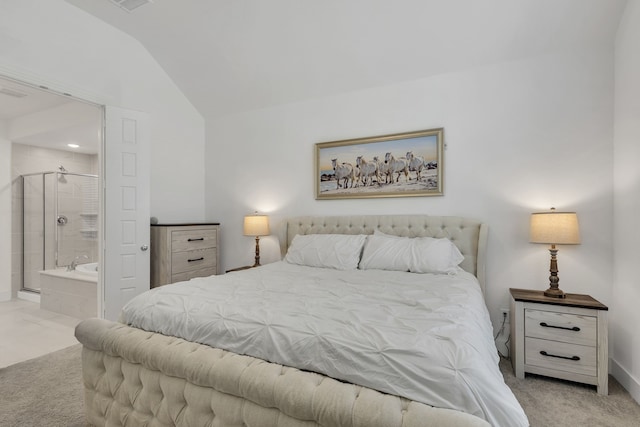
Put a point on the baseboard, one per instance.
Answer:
(5, 296)
(631, 384)
(29, 296)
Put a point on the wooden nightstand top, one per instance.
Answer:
(571, 300)
(246, 267)
(185, 224)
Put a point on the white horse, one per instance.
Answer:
(398, 166)
(383, 170)
(367, 170)
(416, 163)
(343, 171)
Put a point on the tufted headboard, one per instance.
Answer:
(470, 236)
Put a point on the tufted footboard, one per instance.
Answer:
(138, 378)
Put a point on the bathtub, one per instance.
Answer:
(89, 268)
(74, 293)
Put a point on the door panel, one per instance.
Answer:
(126, 223)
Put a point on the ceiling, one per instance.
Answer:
(28, 100)
(229, 56)
(20, 102)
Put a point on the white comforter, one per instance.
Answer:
(422, 336)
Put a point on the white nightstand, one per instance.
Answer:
(559, 337)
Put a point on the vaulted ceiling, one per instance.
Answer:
(229, 56)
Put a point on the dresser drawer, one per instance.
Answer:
(565, 327)
(186, 240)
(585, 364)
(188, 275)
(193, 260)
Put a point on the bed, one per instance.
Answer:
(213, 351)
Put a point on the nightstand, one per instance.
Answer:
(563, 338)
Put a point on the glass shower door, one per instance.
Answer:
(33, 230)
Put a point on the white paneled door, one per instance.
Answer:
(126, 209)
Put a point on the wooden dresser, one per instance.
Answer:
(183, 251)
(560, 337)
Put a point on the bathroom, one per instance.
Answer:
(55, 143)
(59, 231)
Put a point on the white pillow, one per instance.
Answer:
(385, 252)
(417, 255)
(431, 255)
(338, 251)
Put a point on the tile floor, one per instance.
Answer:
(26, 331)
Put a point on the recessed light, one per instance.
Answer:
(73, 145)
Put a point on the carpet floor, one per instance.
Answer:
(552, 402)
(47, 391)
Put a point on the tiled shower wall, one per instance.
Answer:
(78, 237)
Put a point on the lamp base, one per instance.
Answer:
(257, 263)
(554, 293)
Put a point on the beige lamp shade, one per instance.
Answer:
(256, 225)
(555, 228)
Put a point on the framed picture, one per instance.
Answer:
(400, 165)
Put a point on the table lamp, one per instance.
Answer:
(256, 225)
(554, 228)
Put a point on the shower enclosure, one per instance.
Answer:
(59, 222)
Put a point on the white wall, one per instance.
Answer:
(522, 137)
(52, 43)
(625, 316)
(5, 213)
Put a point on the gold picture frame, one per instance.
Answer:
(406, 164)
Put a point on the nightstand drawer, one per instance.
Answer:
(186, 240)
(577, 359)
(565, 327)
(192, 260)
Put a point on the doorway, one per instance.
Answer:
(55, 145)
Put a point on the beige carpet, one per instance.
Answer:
(47, 391)
(551, 402)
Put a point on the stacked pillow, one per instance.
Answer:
(417, 254)
(378, 251)
(339, 251)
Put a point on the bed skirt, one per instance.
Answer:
(138, 378)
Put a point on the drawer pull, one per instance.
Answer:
(544, 324)
(544, 353)
(195, 240)
(195, 259)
